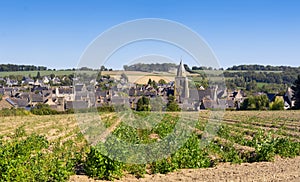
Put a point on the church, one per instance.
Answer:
(181, 84)
(192, 98)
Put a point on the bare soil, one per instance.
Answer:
(279, 170)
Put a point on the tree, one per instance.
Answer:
(296, 92)
(260, 102)
(251, 86)
(162, 82)
(99, 77)
(172, 104)
(143, 104)
(278, 104)
(38, 75)
(149, 81)
(52, 75)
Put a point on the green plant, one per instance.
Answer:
(101, 166)
(138, 170)
(278, 104)
(172, 104)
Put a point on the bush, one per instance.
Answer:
(172, 104)
(14, 112)
(143, 104)
(26, 159)
(102, 167)
(106, 108)
(260, 102)
(278, 104)
(43, 109)
(189, 155)
(138, 170)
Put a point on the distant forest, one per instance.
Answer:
(256, 67)
(14, 67)
(150, 67)
(264, 74)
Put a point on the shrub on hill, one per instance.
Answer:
(43, 109)
(278, 104)
(14, 112)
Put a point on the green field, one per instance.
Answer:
(51, 148)
(34, 73)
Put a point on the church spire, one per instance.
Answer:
(181, 70)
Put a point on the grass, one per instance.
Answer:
(34, 73)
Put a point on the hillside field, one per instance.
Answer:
(242, 137)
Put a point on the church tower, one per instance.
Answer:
(181, 84)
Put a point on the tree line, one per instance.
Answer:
(256, 67)
(14, 67)
(284, 77)
(150, 67)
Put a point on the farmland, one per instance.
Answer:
(58, 149)
(34, 73)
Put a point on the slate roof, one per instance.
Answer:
(102, 93)
(76, 104)
(37, 98)
(25, 95)
(204, 93)
(38, 88)
(65, 90)
(131, 92)
(79, 88)
(20, 103)
(271, 97)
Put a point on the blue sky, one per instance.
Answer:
(56, 33)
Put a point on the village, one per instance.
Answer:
(114, 92)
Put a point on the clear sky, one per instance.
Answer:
(54, 33)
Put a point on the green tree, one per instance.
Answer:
(52, 75)
(260, 102)
(296, 92)
(149, 81)
(251, 86)
(162, 81)
(143, 104)
(99, 76)
(172, 104)
(38, 75)
(278, 104)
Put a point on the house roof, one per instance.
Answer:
(37, 98)
(16, 102)
(207, 103)
(65, 90)
(79, 87)
(204, 93)
(102, 93)
(271, 97)
(76, 104)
